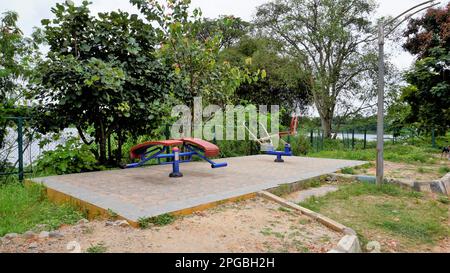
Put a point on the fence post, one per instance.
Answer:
(20, 146)
(353, 139)
(365, 139)
(433, 137)
(322, 140)
(312, 138)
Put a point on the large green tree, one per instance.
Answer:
(428, 96)
(329, 38)
(191, 46)
(101, 73)
(17, 54)
(285, 84)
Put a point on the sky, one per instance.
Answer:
(32, 11)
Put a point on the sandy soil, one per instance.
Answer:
(255, 225)
(410, 171)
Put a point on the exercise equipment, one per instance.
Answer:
(175, 151)
(266, 142)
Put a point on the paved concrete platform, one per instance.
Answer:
(148, 191)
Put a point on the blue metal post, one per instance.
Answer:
(176, 164)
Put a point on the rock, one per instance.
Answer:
(10, 236)
(122, 223)
(349, 244)
(29, 235)
(109, 223)
(55, 234)
(83, 222)
(33, 245)
(44, 234)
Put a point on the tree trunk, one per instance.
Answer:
(101, 136)
(119, 147)
(326, 125)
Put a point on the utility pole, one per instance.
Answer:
(381, 73)
(380, 118)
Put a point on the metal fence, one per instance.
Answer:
(357, 138)
(14, 143)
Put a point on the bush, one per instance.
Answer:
(72, 157)
(23, 208)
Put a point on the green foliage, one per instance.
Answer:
(429, 92)
(101, 72)
(192, 57)
(23, 208)
(444, 200)
(72, 157)
(444, 170)
(112, 214)
(284, 83)
(348, 171)
(160, 220)
(410, 217)
(395, 153)
(333, 49)
(98, 248)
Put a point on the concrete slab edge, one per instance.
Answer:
(441, 186)
(349, 243)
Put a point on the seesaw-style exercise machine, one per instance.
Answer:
(266, 142)
(170, 151)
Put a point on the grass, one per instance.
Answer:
(444, 170)
(23, 208)
(161, 220)
(98, 248)
(393, 152)
(387, 211)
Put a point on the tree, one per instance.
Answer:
(193, 52)
(428, 95)
(17, 53)
(100, 72)
(231, 28)
(284, 84)
(328, 38)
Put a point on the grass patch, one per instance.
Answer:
(392, 152)
(347, 171)
(444, 170)
(98, 248)
(23, 208)
(387, 210)
(161, 220)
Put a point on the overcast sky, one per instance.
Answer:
(32, 11)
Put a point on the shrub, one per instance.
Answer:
(71, 157)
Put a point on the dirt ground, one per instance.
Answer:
(255, 225)
(411, 172)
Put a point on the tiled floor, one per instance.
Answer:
(148, 191)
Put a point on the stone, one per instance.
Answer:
(436, 187)
(10, 236)
(44, 234)
(55, 234)
(446, 183)
(109, 223)
(33, 245)
(349, 244)
(29, 235)
(83, 222)
(122, 223)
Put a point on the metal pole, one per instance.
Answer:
(20, 146)
(380, 122)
